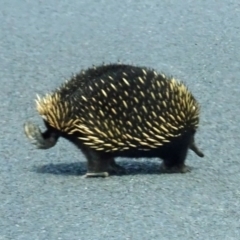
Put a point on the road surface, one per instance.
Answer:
(42, 194)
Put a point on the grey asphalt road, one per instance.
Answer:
(42, 194)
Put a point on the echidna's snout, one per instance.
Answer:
(35, 136)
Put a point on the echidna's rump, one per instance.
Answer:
(116, 108)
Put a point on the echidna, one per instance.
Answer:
(118, 110)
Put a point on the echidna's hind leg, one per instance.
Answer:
(175, 162)
(175, 159)
(175, 156)
(41, 140)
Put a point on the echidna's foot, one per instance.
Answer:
(99, 174)
(175, 169)
(114, 167)
(35, 136)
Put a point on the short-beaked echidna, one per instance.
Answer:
(119, 110)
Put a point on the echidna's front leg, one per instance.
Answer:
(41, 140)
(97, 163)
(116, 168)
(101, 167)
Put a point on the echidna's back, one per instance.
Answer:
(116, 107)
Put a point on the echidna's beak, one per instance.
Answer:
(195, 149)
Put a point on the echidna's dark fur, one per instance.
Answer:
(120, 110)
